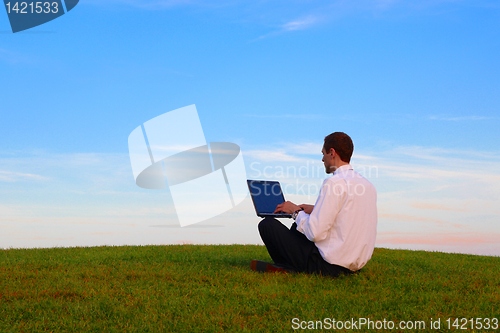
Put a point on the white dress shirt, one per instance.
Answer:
(343, 223)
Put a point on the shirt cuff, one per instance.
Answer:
(299, 219)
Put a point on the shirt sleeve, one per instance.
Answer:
(317, 225)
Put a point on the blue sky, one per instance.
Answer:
(416, 86)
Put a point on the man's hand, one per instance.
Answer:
(307, 208)
(287, 207)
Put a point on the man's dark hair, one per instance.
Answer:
(342, 144)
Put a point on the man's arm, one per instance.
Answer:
(317, 225)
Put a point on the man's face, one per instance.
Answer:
(328, 160)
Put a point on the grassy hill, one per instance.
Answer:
(211, 289)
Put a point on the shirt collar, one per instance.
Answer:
(343, 168)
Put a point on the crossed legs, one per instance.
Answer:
(292, 250)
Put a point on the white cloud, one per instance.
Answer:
(295, 13)
(300, 24)
(289, 16)
(12, 176)
(59, 173)
(271, 156)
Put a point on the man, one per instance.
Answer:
(336, 235)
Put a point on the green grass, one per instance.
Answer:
(211, 289)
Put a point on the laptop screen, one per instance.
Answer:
(266, 195)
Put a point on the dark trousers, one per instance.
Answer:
(292, 250)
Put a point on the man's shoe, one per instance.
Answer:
(263, 267)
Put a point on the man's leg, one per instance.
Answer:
(287, 247)
(291, 249)
(319, 265)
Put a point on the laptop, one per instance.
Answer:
(266, 195)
